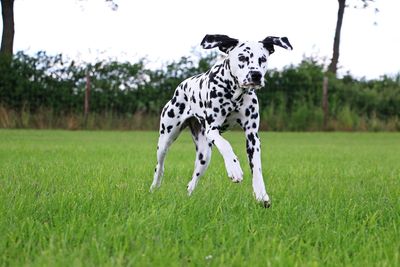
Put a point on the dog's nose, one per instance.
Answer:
(255, 76)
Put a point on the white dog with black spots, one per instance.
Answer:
(212, 102)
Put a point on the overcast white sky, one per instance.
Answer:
(168, 29)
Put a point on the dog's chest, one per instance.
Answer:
(203, 94)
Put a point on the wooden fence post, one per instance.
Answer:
(325, 102)
(87, 98)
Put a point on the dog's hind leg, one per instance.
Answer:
(170, 127)
(203, 153)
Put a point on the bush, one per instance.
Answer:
(36, 91)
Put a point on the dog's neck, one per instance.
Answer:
(221, 74)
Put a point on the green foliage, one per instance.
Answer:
(291, 99)
(294, 84)
(40, 82)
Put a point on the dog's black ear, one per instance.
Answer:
(270, 41)
(223, 42)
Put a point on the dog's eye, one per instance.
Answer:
(243, 58)
(262, 60)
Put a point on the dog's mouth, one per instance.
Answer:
(252, 85)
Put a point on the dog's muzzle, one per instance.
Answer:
(255, 77)
(254, 80)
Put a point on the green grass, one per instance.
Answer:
(81, 199)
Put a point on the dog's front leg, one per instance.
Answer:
(231, 161)
(249, 120)
(253, 148)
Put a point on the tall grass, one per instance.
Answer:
(47, 119)
(301, 118)
(81, 199)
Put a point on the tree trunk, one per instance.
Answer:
(325, 102)
(7, 41)
(86, 106)
(335, 57)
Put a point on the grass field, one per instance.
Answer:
(81, 199)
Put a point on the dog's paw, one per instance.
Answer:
(154, 186)
(267, 204)
(263, 198)
(190, 187)
(234, 171)
(239, 179)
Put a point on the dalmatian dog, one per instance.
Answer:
(212, 102)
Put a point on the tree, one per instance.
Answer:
(336, 42)
(7, 40)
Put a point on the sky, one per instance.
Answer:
(165, 30)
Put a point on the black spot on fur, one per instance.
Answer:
(162, 128)
(251, 138)
(228, 95)
(210, 119)
(254, 116)
(171, 113)
(169, 129)
(181, 108)
(211, 77)
(164, 110)
(213, 94)
(250, 154)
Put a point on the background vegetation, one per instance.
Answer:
(45, 91)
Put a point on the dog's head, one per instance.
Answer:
(248, 60)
